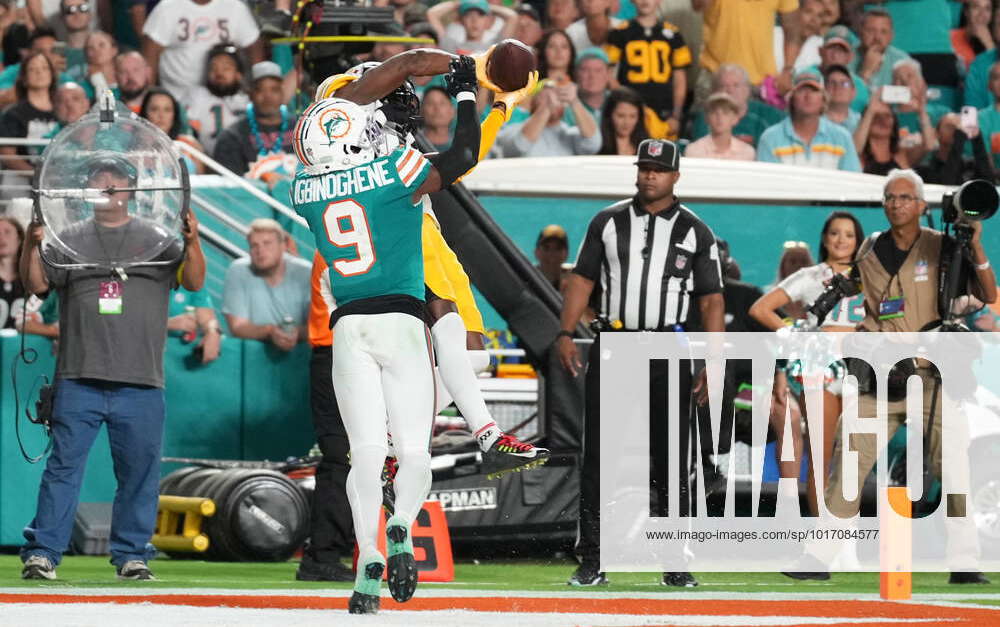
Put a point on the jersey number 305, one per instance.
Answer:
(347, 225)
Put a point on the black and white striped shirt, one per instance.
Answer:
(649, 266)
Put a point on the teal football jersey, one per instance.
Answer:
(367, 226)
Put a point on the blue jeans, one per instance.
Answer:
(135, 416)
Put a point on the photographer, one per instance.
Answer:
(899, 270)
(109, 369)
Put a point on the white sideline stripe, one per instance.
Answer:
(427, 591)
(152, 615)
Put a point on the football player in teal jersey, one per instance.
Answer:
(366, 215)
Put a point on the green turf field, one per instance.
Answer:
(491, 575)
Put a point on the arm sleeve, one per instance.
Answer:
(412, 168)
(680, 57)
(705, 267)
(463, 154)
(488, 131)
(591, 253)
(614, 47)
(794, 285)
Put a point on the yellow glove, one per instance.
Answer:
(511, 99)
(481, 60)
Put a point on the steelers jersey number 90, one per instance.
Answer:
(648, 61)
(346, 225)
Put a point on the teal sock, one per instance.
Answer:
(394, 547)
(370, 585)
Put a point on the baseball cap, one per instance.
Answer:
(530, 11)
(474, 5)
(721, 98)
(661, 152)
(807, 78)
(105, 161)
(593, 52)
(838, 35)
(265, 69)
(553, 231)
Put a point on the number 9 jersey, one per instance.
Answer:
(367, 226)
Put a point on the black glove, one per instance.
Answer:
(462, 76)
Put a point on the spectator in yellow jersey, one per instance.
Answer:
(652, 59)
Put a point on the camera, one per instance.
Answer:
(840, 287)
(974, 201)
(354, 20)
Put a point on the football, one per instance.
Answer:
(509, 65)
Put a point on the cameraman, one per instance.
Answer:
(899, 271)
(109, 369)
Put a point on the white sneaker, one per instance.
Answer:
(38, 567)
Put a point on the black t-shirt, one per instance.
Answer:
(739, 296)
(891, 257)
(647, 58)
(10, 293)
(126, 347)
(237, 146)
(22, 119)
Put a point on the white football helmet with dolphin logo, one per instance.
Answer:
(336, 134)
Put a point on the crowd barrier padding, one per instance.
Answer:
(251, 403)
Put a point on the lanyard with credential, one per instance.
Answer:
(890, 308)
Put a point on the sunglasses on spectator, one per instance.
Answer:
(794, 244)
(841, 83)
(76, 8)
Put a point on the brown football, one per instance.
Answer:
(509, 65)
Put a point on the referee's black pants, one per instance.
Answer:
(332, 533)
(588, 544)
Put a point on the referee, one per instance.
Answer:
(652, 256)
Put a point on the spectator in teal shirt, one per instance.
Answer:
(977, 93)
(875, 56)
(805, 137)
(923, 30)
(840, 93)
(755, 116)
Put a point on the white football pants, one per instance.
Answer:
(382, 365)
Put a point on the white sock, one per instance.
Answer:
(480, 361)
(442, 396)
(459, 379)
(413, 482)
(364, 492)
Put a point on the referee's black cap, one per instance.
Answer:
(660, 152)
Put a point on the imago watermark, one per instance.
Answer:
(793, 451)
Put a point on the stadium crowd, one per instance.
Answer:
(824, 83)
